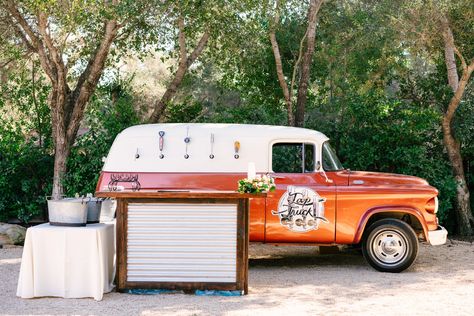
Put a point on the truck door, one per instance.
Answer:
(302, 208)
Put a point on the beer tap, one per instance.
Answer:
(187, 139)
(236, 149)
(212, 146)
(161, 142)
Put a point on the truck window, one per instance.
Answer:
(330, 160)
(292, 157)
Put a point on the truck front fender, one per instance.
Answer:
(388, 209)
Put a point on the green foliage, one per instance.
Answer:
(187, 111)
(377, 86)
(26, 161)
(109, 113)
(27, 164)
(376, 133)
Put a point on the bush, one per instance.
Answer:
(375, 133)
(27, 164)
(27, 173)
(26, 155)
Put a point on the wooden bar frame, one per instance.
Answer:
(242, 203)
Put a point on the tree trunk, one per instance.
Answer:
(61, 154)
(298, 119)
(61, 143)
(170, 92)
(449, 58)
(281, 78)
(306, 64)
(184, 63)
(463, 213)
(453, 147)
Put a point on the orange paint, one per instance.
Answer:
(351, 198)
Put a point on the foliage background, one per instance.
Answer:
(373, 94)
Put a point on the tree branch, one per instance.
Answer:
(279, 66)
(53, 53)
(471, 66)
(313, 10)
(13, 10)
(458, 94)
(29, 46)
(295, 67)
(461, 57)
(182, 41)
(42, 24)
(184, 64)
(34, 42)
(89, 80)
(449, 51)
(198, 49)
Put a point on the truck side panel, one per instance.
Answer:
(196, 181)
(354, 202)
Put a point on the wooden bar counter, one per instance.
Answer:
(182, 240)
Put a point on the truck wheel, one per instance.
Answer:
(390, 245)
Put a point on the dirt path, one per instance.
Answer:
(289, 281)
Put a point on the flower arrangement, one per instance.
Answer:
(259, 184)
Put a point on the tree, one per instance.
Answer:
(185, 62)
(72, 41)
(445, 29)
(453, 146)
(219, 26)
(305, 59)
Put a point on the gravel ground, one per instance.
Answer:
(291, 281)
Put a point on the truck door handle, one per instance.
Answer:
(274, 176)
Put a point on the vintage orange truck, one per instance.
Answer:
(316, 201)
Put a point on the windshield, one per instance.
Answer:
(330, 160)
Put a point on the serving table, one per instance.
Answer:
(182, 240)
(69, 262)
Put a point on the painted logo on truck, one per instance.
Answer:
(301, 209)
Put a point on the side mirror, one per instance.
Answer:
(323, 173)
(318, 166)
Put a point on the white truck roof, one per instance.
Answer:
(137, 148)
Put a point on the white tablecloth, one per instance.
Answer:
(70, 262)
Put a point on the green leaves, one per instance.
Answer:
(25, 146)
(260, 184)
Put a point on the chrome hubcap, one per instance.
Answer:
(389, 247)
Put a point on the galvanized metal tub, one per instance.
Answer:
(94, 206)
(67, 212)
(107, 212)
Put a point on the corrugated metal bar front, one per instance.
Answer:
(179, 242)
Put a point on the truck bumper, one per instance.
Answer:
(438, 236)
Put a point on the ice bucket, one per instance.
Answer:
(107, 212)
(67, 212)
(94, 206)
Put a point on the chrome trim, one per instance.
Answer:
(390, 247)
(438, 237)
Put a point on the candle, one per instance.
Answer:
(251, 171)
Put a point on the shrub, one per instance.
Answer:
(375, 133)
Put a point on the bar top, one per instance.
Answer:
(178, 194)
